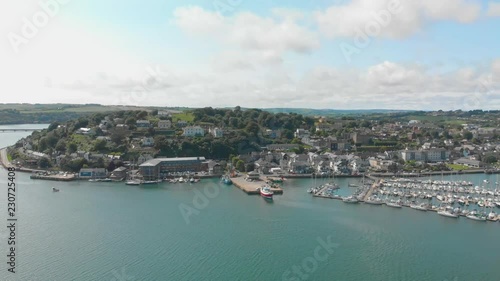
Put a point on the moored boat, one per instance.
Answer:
(133, 182)
(266, 192)
(447, 214)
(350, 199)
(226, 180)
(374, 201)
(476, 217)
(394, 204)
(152, 182)
(421, 207)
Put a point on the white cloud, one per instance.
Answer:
(385, 85)
(493, 9)
(396, 18)
(271, 37)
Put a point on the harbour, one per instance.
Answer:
(287, 230)
(447, 198)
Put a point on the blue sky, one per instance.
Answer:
(428, 55)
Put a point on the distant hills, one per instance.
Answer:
(333, 112)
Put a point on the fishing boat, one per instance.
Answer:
(448, 214)
(266, 192)
(55, 189)
(191, 180)
(181, 180)
(350, 199)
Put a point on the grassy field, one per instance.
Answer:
(77, 108)
(457, 167)
(186, 116)
(84, 142)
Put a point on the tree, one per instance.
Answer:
(100, 145)
(468, 135)
(490, 159)
(43, 163)
(72, 147)
(61, 145)
(240, 165)
(252, 128)
(53, 126)
(118, 135)
(393, 168)
(111, 166)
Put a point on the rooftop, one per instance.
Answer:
(156, 161)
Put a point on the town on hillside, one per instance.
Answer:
(158, 143)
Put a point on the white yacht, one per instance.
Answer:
(447, 214)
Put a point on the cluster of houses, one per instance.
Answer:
(336, 150)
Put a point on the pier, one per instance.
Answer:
(54, 176)
(374, 186)
(18, 130)
(252, 187)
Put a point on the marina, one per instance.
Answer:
(452, 199)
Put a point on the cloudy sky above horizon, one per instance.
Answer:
(337, 54)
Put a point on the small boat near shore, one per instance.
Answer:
(448, 214)
(350, 200)
(421, 207)
(266, 192)
(476, 217)
(374, 201)
(133, 182)
(394, 204)
(151, 182)
(225, 179)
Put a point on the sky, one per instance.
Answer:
(325, 54)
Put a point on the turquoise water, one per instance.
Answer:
(109, 231)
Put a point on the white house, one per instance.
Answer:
(163, 113)
(300, 133)
(85, 131)
(181, 123)
(216, 132)
(164, 124)
(192, 131)
(143, 124)
(147, 141)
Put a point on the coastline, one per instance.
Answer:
(4, 160)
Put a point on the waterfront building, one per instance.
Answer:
(161, 167)
(427, 155)
(92, 173)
